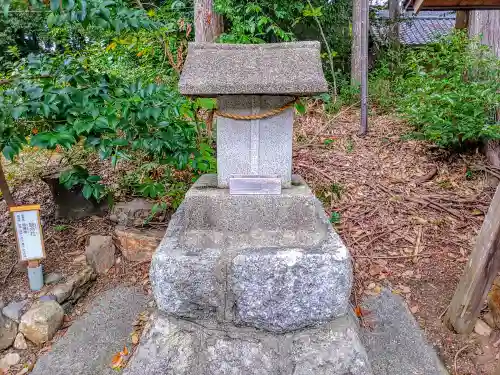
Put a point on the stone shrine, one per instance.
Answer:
(250, 277)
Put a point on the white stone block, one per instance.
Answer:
(254, 147)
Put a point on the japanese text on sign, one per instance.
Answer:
(28, 232)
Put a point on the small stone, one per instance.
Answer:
(489, 319)
(131, 213)
(53, 278)
(10, 359)
(14, 310)
(41, 322)
(481, 328)
(20, 342)
(62, 292)
(100, 253)
(8, 331)
(137, 245)
(73, 284)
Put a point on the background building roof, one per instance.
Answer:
(414, 29)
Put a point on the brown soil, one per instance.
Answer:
(381, 206)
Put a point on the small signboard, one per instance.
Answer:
(28, 230)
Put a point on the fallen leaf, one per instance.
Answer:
(408, 273)
(405, 289)
(477, 212)
(375, 269)
(370, 286)
(414, 309)
(419, 220)
(135, 338)
(119, 359)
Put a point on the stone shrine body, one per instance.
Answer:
(251, 278)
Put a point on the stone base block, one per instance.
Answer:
(172, 346)
(271, 262)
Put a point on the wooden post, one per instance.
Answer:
(394, 16)
(483, 266)
(356, 43)
(208, 25)
(462, 19)
(364, 66)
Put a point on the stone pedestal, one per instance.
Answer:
(271, 262)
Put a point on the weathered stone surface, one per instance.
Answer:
(100, 253)
(137, 245)
(132, 213)
(53, 278)
(41, 322)
(278, 68)
(395, 344)
(72, 288)
(283, 290)
(14, 310)
(254, 147)
(88, 346)
(181, 347)
(8, 331)
(20, 342)
(9, 359)
(276, 265)
(186, 284)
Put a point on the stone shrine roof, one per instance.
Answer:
(273, 69)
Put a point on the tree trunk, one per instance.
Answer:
(4, 188)
(208, 25)
(394, 15)
(486, 24)
(356, 52)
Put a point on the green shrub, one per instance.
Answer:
(448, 91)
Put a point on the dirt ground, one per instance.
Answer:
(408, 212)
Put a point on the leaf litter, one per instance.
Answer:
(409, 213)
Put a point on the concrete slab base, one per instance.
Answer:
(90, 343)
(180, 347)
(396, 345)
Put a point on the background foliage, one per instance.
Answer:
(449, 90)
(102, 75)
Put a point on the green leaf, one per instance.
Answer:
(155, 112)
(102, 122)
(94, 178)
(300, 107)
(18, 111)
(206, 103)
(101, 22)
(51, 20)
(45, 110)
(87, 191)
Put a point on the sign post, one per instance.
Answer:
(29, 238)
